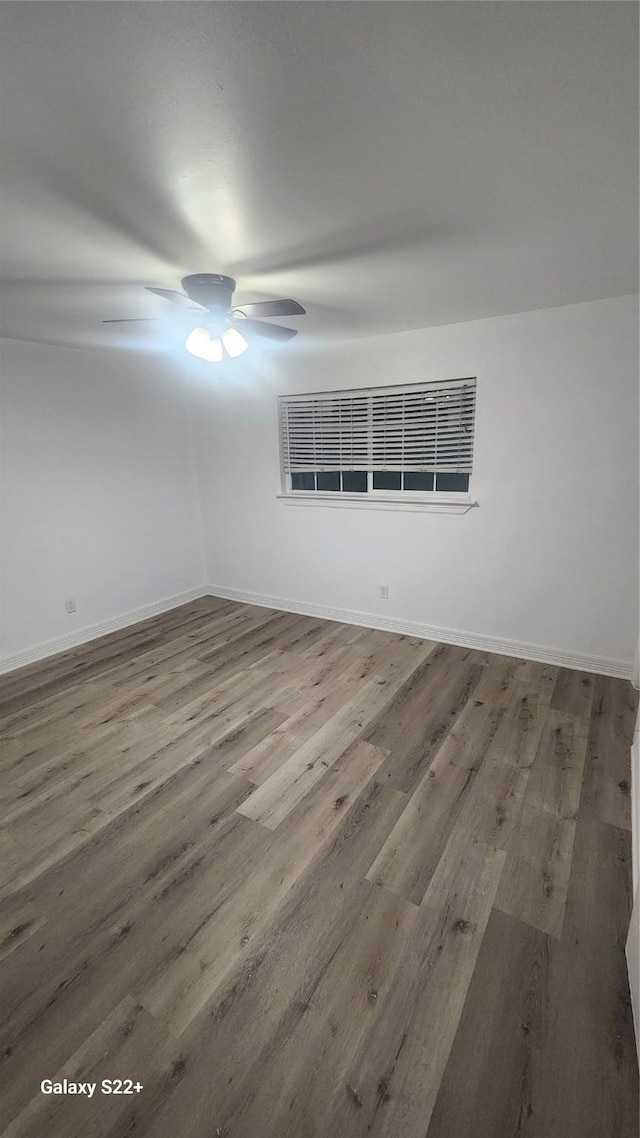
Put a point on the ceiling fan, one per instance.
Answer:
(212, 294)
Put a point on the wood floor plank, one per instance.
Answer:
(606, 787)
(126, 1045)
(535, 881)
(250, 897)
(296, 729)
(143, 669)
(486, 1087)
(408, 859)
(67, 665)
(323, 692)
(413, 728)
(19, 920)
(79, 667)
(393, 1079)
(334, 1010)
(519, 733)
(589, 1020)
(491, 811)
(490, 808)
(115, 950)
(203, 738)
(275, 798)
(540, 676)
(573, 693)
(274, 978)
(92, 705)
(497, 680)
(88, 769)
(556, 774)
(45, 837)
(278, 796)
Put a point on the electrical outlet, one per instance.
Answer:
(70, 604)
(384, 592)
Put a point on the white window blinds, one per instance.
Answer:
(427, 426)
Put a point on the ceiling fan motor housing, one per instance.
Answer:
(211, 290)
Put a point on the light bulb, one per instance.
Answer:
(212, 351)
(197, 342)
(234, 343)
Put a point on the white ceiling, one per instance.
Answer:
(390, 165)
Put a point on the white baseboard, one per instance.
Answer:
(601, 665)
(93, 631)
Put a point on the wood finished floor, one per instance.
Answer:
(303, 879)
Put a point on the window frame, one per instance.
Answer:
(411, 500)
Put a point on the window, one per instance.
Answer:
(383, 443)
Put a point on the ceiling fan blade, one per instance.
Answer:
(175, 297)
(270, 331)
(272, 308)
(135, 320)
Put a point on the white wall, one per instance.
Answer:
(99, 490)
(551, 555)
(100, 498)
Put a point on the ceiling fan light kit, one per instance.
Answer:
(204, 346)
(234, 343)
(212, 293)
(197, 340)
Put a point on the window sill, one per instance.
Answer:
(458, 504)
